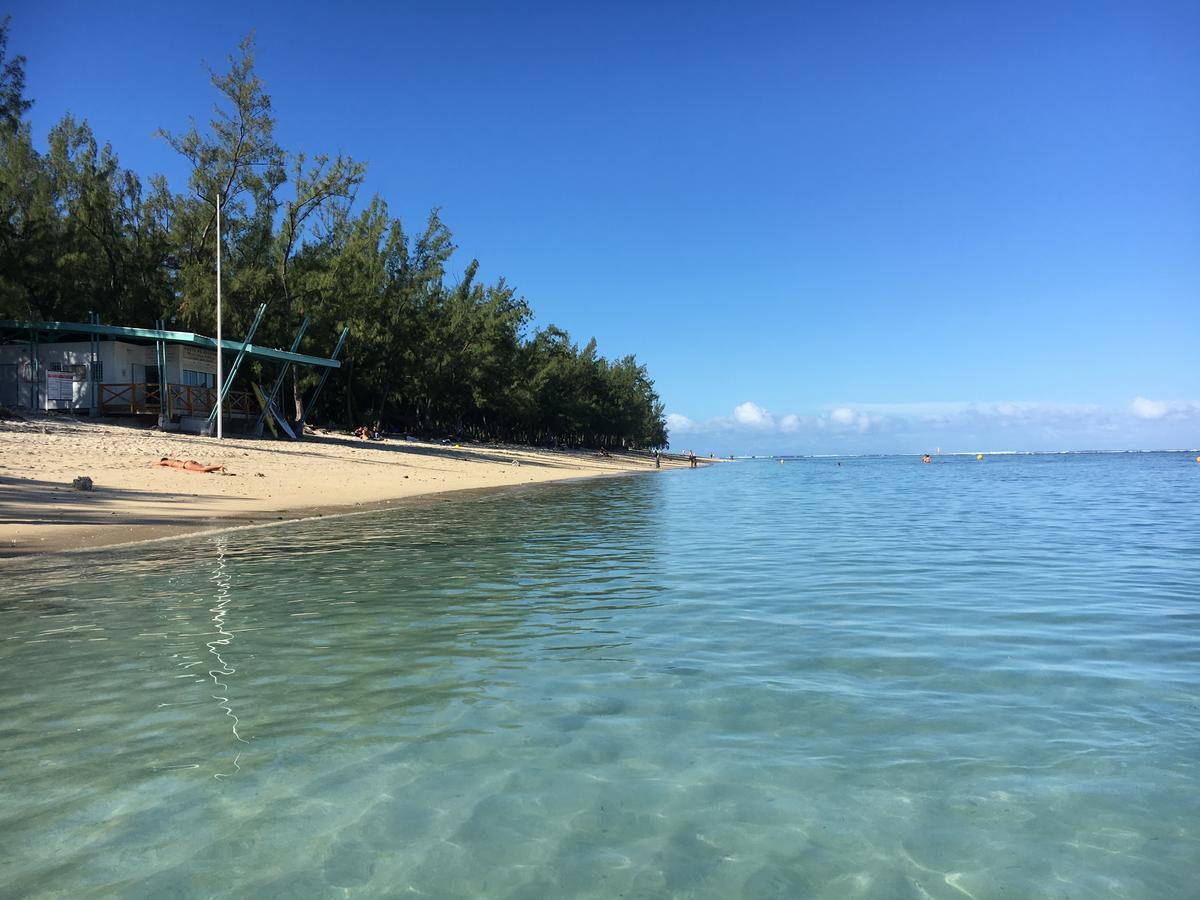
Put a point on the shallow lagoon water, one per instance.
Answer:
(878, 679)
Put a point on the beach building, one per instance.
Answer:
(107, 370)
(112, 378)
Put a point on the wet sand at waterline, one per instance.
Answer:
(267, 480)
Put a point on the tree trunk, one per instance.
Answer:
(383, 396)
(297, 400)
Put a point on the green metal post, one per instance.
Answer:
(164, 397)
(262, 416)
(320, 384)
(91, 365)
(223, 389)
(94, 346)
(160, 363)
(34, 368)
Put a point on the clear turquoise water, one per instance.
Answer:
(754, 680)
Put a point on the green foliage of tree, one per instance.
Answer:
(427, 353)
(236, 162)
(78, 231)
(13, 104)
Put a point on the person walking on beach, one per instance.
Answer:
(691, 459)
(657, 460)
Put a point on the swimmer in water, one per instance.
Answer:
(926, 458)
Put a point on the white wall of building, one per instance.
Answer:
(63, 374)
(64, 369)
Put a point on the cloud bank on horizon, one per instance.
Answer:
(1144, 424)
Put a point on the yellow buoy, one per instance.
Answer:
(979, 456)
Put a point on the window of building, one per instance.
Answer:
(199, 379)
(97, 371)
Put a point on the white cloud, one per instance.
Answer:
(677, 424)
(1031, 422)
(1144, 408)
(753, 415)
(1007, 410)
(1149, 409)
(842, 415)
(750, 417)
(845, 417)
(940, 412)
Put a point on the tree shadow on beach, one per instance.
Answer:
(23, 502)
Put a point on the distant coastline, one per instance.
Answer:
(959, 453)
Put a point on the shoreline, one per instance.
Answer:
(248, 522)
(270, 482)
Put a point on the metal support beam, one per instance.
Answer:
(320, 384)
(223, 389)
(164, 392)
(94, 346)
(34, 369)
(160, 363)
(262, 416)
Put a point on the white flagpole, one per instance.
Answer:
(220, 372)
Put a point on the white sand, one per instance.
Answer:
(134, 500)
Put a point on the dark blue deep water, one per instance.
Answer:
(879, 679)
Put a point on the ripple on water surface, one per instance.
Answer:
(878, 679)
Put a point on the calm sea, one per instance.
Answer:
(873, 679)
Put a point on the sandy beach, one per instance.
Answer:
(265, 480)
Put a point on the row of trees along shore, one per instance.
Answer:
(427, 352)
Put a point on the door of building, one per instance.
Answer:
(8, 384)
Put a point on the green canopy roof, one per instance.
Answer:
(149, 335)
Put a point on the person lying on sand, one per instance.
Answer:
(188, 465)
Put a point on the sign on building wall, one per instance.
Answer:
(199, 359)
(60, 386)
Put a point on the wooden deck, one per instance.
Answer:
(182, 400)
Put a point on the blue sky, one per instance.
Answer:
(824, 227)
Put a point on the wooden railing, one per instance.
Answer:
(128, 398)
(182, 400)
(194, 400)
